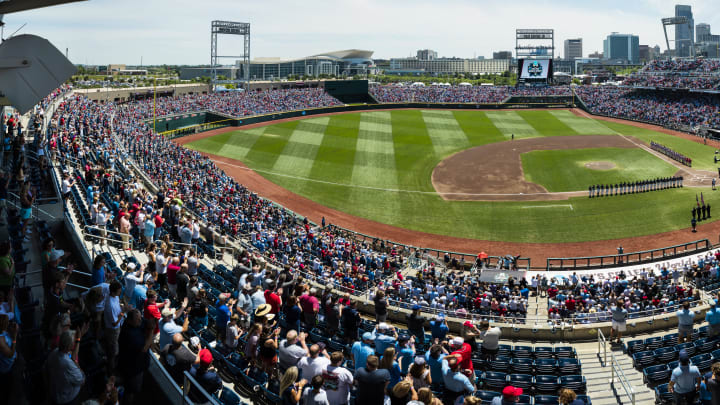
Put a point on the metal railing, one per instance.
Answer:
(625, 259)
(129, 242)
(188, 383)
(617, 371)
(602, 347)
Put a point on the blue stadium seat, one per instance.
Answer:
(569, 366)
(524, 400)
(522, 366)
(705, 345)
(662, 396)
(565, 352)
(576, 383)
(487, 396)
(543, 352)
(546, 400)
(229, 397)
(522, 351)
(670, 340)
(656, 374)
(585, 399)
(634, 346)
(546, 366)
(504, 350)
(500, 363)
(546, 384)
(494, 380)
(524, 381)
(665, 354)
(653, 343)
(643, 359)
(702, 361)
(688, 347)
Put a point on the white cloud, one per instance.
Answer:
(174, 32)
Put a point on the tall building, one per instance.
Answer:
(573, 49)
(684, 34)
(426, 54)
(442, 66)
(701, 30)
(624, 47)
(502, 55)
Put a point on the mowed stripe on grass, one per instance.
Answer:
(398, 150)
(510, 123)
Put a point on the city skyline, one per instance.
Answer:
(164, 32)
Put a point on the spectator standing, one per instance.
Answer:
(456, 383)
(416, 324)
(313, 364)
(434, 357)
(205, 376)
(385, 336)
(439, 328)
(168, 327)
(684, 381)
(619, 317)
(685, 317)
(134, 342)
(64, 376)
(350, 319)
(8, 354)
(337, 380)
(289, 352)
(361, 350)
(124, 230)
(113, 315)
(178, 358)
(371, 382)
(315, 394)
(290, 390)
(712, 384)
(419, 373)
(491, 340)
(381, 304)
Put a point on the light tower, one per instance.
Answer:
(230, 28)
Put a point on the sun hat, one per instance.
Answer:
(263, 310)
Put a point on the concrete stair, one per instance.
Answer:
(598, 378)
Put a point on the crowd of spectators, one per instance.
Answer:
(586, 300)
(701, 74)
(651, 106)
(459, 94)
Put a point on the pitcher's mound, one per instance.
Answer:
(600, 165)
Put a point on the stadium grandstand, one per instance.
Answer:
(136, 270)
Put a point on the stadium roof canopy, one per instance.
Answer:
(346, 54)
(13, 6)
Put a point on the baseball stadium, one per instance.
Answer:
(320, 230)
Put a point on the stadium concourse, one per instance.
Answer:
(169, 264)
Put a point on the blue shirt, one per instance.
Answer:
(685, 378)
(6, 363)
(455, 381)
(382, 342)
(98, 276)
(406, 356)
(713, 316)
(360, 352)
(223, 315)
(395, 375)
(618, 314)
(438, 329)
(435, 365)
(139, 296)
(685, 317)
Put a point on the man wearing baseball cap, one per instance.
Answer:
(416, 324)
(439, 328)
(464, 352)
(509, 396)
(385, 336)
(456, 383)
(205, 376)
(361, 350)
(684, 381)
(712, 316)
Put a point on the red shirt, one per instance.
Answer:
(172, 270)
(465, 357)
(152, 312)
(274, 301)
(309, 303)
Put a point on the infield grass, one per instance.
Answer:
(377, 165)
(565, 170)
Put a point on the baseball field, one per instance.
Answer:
(514, 176)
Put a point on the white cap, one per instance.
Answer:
(383, 326)
(167, 312)
(131, 266)
(457, 341)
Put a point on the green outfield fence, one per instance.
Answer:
(628, 259)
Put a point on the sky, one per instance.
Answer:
(98, 32)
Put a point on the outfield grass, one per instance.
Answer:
(377, 165)
(565, 170)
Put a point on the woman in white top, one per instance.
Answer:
(161, 266)
(420, 373)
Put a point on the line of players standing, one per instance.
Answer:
(642, 186)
